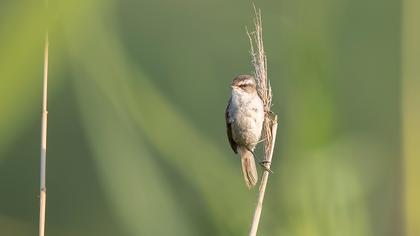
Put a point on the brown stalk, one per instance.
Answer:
(259, 61)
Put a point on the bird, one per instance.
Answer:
(244, 121)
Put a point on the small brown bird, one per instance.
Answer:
(244, 120)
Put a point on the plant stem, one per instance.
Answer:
(259, 61)
(43, 188)
(264, 180)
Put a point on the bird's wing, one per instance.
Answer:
(233, 145)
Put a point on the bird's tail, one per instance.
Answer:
(249, 168)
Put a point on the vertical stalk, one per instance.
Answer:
(259, 61)
(264, 180)
(43, 188)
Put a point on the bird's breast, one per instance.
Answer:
(247, 114)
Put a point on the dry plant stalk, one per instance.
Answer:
(259, 61)
(43, 188)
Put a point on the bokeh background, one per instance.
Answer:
(137, 92)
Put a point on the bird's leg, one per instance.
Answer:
(261, 163)
(253, 154)
(262, 140)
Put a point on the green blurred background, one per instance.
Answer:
(136, 139)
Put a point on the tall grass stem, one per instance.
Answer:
(259, 61)
(44, 124)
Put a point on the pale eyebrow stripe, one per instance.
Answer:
(245, 82)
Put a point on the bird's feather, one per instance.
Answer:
(232, 143)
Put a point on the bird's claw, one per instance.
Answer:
(263, 165)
